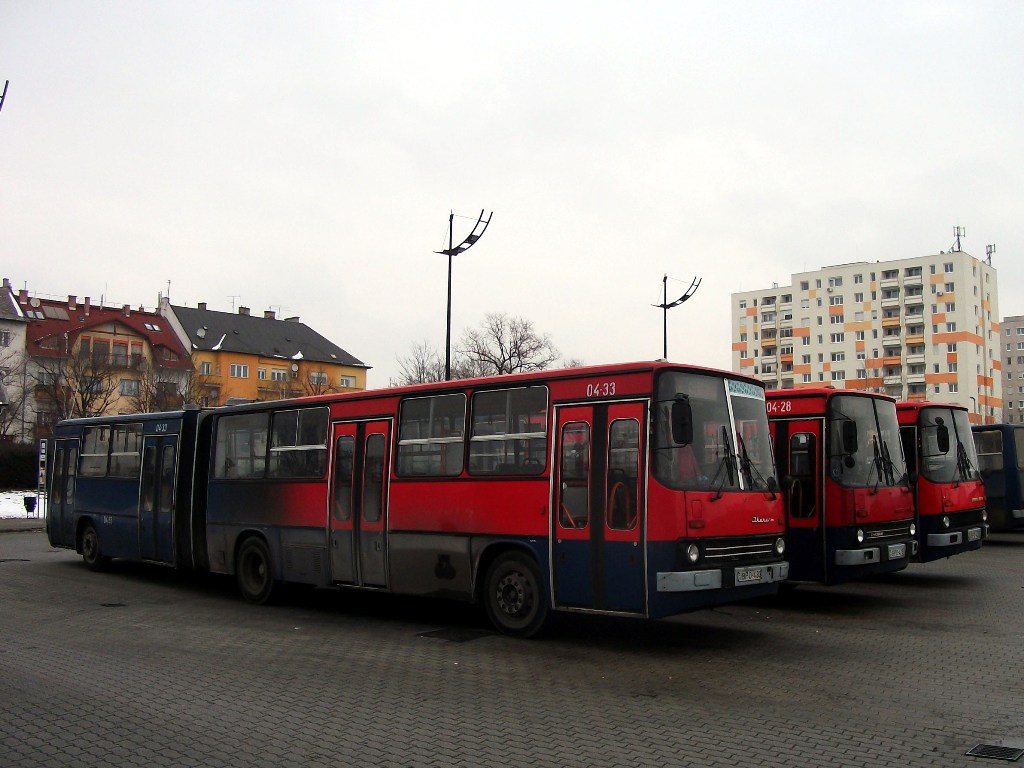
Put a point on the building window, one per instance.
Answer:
(954, 388)
(239, 371)
(278, 374)
(261, 374)
(347, 381)
(5, 338)
(838, 357)
(837, 338)
(858, 278)
(838, 375)
(205, 369)
(129, 387)
(318, 378)
(743, 304)
(947, 267)
(835, 301)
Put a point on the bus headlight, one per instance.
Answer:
(860, 535)
(913, 529)
(693, 553)
(945, 521)
(780, 546)
(984, 515)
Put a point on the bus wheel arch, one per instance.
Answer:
(88, 545)
(513, 591)
(254, 569)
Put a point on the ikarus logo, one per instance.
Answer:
(760, 520)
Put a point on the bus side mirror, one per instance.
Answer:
(942, 437)
(682, 421)
(849, 437)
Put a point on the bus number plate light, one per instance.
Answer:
(897, 551)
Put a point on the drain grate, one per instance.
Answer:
(997, 752)
(457, 634)
(113, 605)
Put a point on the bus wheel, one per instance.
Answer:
(515, 600)
(94, 560)
(254, 571)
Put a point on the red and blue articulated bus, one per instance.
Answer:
(1000, 449)
(849, 510)
(637, 489)
(949, 497)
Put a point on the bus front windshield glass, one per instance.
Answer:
(947, 428)
(730, 448)
(864, 449)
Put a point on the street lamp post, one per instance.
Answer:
(665, 306)
(455, 250)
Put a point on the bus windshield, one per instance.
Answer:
(864, 449)
(949, 429)
(731, 447)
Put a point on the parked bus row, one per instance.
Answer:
(644, 490)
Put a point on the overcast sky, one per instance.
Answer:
(304, 157)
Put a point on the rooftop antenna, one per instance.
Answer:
(665, 306)
(234, 296)
(958, 232)
(4, 94)
(989, 250)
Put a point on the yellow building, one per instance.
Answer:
(240, 357)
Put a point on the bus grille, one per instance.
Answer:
(887, 532)
(740, 549)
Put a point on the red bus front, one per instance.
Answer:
(716, 518)
(943, 464)
(849, 510)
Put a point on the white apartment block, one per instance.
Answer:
(924, 328)
(1013, 369)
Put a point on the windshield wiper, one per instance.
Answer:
(964, 467)
(727, 464)
(749, 468)
(876, 462)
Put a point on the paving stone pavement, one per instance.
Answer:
(144, 666)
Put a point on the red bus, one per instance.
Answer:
(949, 495)
(636, 489)
(849, 511)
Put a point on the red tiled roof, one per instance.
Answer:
(71, 319)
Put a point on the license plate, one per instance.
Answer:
(973, 534)
(897, 551)
(747, 575)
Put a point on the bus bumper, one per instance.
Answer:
(956, 537)
(692, 581)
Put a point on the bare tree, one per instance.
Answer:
(507, 344)
(166, 389)
(70, 384)
(423, 363)
(14, 393)
(318, 382)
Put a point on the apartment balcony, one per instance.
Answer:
(772, 342)
(915, 378)
(911, 359)
(895, 379)
(891, 322)
(892, 301)
(892, 360)
(889, 282)
(912, 299)
(913, 279)
(914, 339)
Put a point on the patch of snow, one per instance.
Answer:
(12, 504)
(297, 355)
(216, 347)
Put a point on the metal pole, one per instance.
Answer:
(448, 324)
(664, 315)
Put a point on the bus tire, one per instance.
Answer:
(514, 595)
(92, 555)
(254, 571)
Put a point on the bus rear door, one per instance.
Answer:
(598, 552)
(358, 503)
(156, 498)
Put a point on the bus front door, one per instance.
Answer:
(803, 493)
(598, 555)
(358, 512)
(60, 506)
(156, 498)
